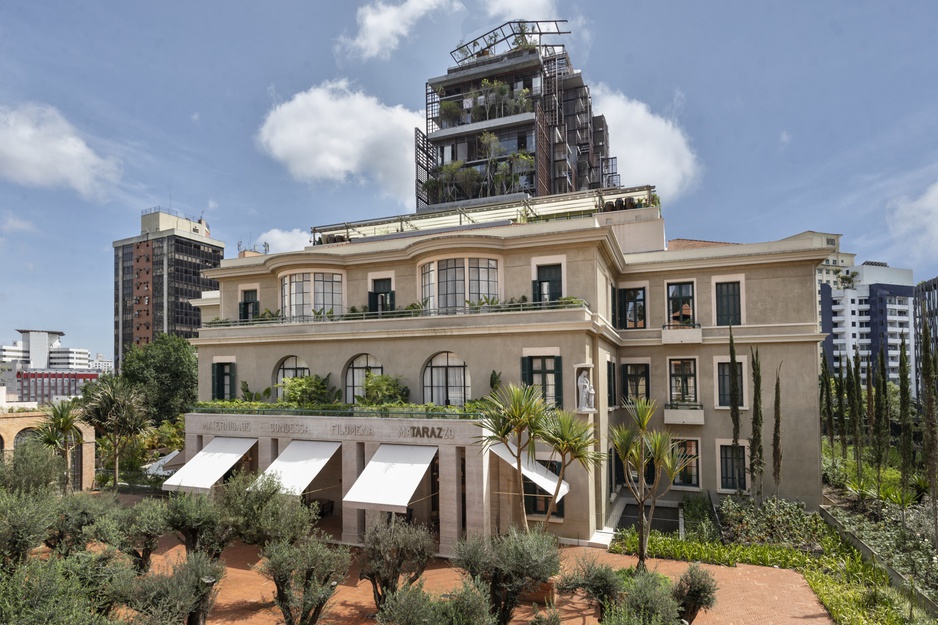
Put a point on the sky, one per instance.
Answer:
(755, 120)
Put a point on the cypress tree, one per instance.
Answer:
(906, 452)
(881, 420)
(734, 409)
(839, 386)
(777, 434)
(929, 423)
(756, 450)
(856, 415)
(825, 403)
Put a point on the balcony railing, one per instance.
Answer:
(681, 333)
(683, 413)
(352, 410)
(404, 313)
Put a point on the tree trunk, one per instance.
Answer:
(524, 516)
(553, 500)
(117, 455)
(68, 469)
(642, 538)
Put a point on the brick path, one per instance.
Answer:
(747, 594)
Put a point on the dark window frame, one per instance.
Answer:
(728, 297)
(536, 499)
(681, 295)
(635, 375)
(535, 371)
(684, 381)
(723, 384)
(729, 480)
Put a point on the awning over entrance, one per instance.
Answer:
(390, 478)
(533, 470)
(299, 464)
(209, 465)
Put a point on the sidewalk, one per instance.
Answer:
(747, 594)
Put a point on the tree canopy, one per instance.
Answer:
(166, 372)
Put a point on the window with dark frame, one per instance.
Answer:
(361, 366)
(612, 397)
(690, 475)
(545, 372)
(681, 304)
(445, 380)
(723, 383)
(381, 296)
(249, 308)
(223, 381)
(549, 284)
(632, 309)
(635, 379)
(728, 304)
(683, 373)
(451, 276)
(732, 474)
(536, 499)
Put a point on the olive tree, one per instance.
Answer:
(393, 552)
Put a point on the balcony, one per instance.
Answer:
(679, 333)
(683, 413)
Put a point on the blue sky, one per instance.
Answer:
(755, 120)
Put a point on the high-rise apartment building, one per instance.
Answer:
(926, 311)
(156, 274)
(512, 116)
(40, 369)
(874, 309)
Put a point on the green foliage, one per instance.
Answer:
(304, 574)
(756, 448)
(59, 432)
(393, 552)
(200, 523)
(43, 591)
(106, 579)
(598, 582)
(696, 590)
(188, 593)
(134, 531)
(168, 435)
(776, 521)
(248, 395)
(25, 519)
(777, 432)
(261, 514)
(166, 372)
(310, 390)
(383, 389)
(74, 514)
(511, 564)
(698, 521)
(412, 605)
(34, 468)
(647, 600)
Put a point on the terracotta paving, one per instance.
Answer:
(747, 594)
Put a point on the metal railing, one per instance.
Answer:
(433, 412)
(684, 405)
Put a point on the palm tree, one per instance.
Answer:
(115, 408)
(60, 432)
(514, 419)
(572, 440)
(640, 447)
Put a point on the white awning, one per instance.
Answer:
(300, 463)
(209, 465)
(533, 470)
(390, 478)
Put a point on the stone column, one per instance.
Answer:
(450, 529)
(352, 466)
(478, 496)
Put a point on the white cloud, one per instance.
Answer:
(521, 9)
(195, 117)
(784, 138)
(11, 223)
(650, 149)
(334, 132)
(913, 225)
(283, 240)
(39, 148)
(381, 26)
(212, 204)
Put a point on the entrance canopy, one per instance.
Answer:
(209, 465)
(299, 464)
(390, 478)
(532, 469)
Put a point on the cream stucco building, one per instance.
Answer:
(547, 291)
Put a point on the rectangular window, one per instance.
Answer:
(327, 293)
(549, 284)
(690, 475)
(723, 383)
(427, 287)
(536, 499)
(683, 374)
(681, 304)
(223, 381)
(381, 297)
(632, 309)
(545, 372)
(295, 295)
(635, 379)
(249, 308)
(483, 279)
(728, 307)
(452, 284)
(612, 397)
(732, 468)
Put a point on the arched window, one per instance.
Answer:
(290, 367)
(23, 435)
(355, 375)
(446, 380)
(446, 285)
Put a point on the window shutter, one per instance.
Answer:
(232, 382)
(390, 300)
(372, 301)
(611, 383)
(526, 377)
(647, 381)
(613, 296)
(535, 291)
(624, 374)
(558, 382)
(242, 311)
(622, 318)
(214, 380)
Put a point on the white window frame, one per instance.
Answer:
(736, 277)
(742, 361)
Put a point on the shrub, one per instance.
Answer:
(599, 582)
(382, 389)
(694, 591)
(698, 522)
(550, 616)
(392, 550)
(649, 598)
(74, 514)
(412, 605)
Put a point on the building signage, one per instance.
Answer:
(228, 426)
(423, 431)
(289, 428)
(352, 429)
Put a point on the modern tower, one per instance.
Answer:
(156, 274)
(512, 116)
